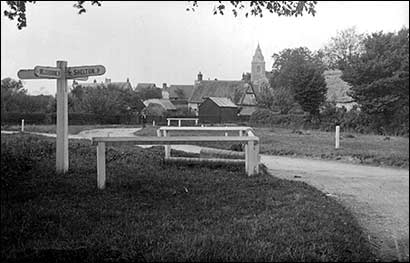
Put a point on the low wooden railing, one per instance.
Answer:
(251, 149)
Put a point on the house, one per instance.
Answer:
(178, 95)
(217, 110)
(238, 91)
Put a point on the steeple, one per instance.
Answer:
(258, 57)
(258, 66)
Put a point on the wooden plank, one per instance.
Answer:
(204, 160)
(189, 128)
(101, 165)
(173, 140)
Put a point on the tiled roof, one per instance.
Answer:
(218, 88)
(166, 104)
(146, 85)
(180, 91)
(122, 85)
(223, 102)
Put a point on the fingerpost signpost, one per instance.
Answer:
(61, 73)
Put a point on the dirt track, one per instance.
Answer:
(379, 197)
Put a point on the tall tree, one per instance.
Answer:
(341, 49)
(380, 79)
(17, 9)
(300, 72)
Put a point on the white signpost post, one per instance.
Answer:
(61, 73)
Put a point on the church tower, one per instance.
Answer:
(258, 74)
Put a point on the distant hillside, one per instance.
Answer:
(336, 88)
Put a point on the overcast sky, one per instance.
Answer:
(162, 42)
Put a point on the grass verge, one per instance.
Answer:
(151, 211)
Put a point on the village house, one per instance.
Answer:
(177, 94)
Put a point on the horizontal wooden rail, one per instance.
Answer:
(147, 140)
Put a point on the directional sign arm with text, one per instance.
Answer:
(84, 71)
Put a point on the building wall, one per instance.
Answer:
(209, 112)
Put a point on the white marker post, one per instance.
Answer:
(61, 73)
(337, 137)
(22, 125)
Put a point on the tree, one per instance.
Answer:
(342, 48)
(17, 9)
(10, 90)
(300, 72)
(380, 80)
(149, 93)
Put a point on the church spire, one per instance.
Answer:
(258, 57)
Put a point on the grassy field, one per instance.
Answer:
(152, 211)
(354, 148)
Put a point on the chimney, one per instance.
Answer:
(95, 81)
(107, 81)
(128, 80)
(164, 86)
(199, 76)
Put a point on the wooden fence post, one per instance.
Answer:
(22, 125)
(101, 165)
(167, 147)
(62, 120)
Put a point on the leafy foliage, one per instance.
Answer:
(342, 48)
(300, 72)
(256, 8)
(380, 80)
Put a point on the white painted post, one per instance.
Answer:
(101, 165)
(202, 125)
(240, 133)
(226, 134)
(22, 125)
(153, 123)
(179, 123)
(167, 147)
(158, 133)
(196, 121)
(250, 159)
(257, 157)
(337, 144)
(62, 121)
(169, 122)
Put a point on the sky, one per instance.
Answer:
(161, 42)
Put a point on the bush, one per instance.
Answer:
(267, 117)
(29, 118)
